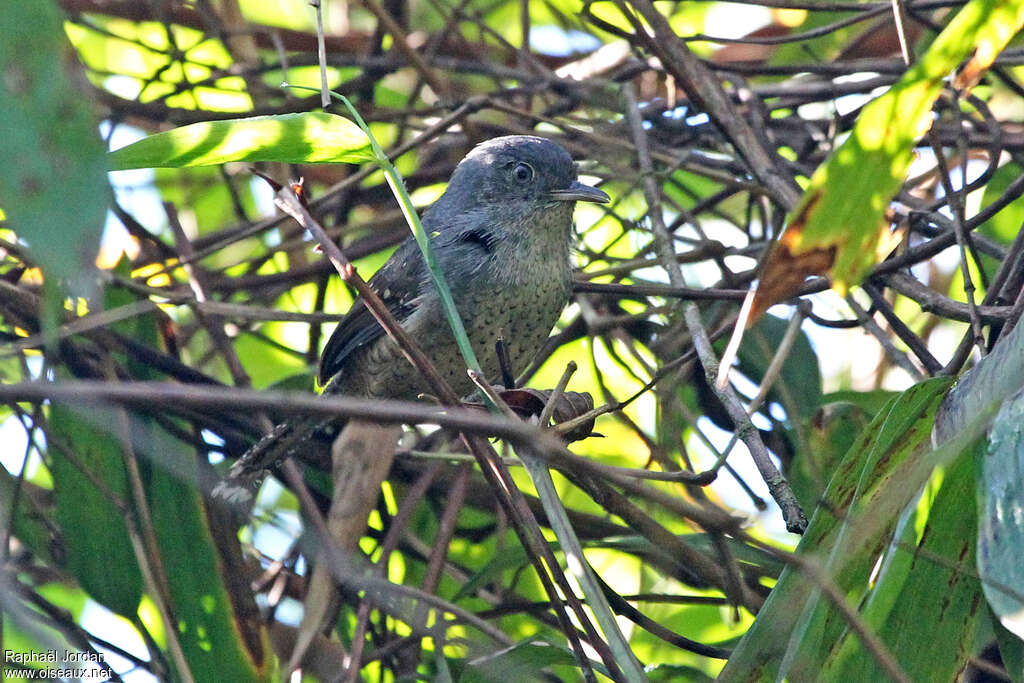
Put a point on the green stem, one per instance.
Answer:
(413, 219)
(578, 566)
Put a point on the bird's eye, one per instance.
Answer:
(523, 173)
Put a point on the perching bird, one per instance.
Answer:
(501, 233)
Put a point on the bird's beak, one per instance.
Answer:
(578, 192)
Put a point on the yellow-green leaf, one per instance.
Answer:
(306, 138)
(839, 224)
(854, 188)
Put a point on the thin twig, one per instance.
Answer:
(795, 519)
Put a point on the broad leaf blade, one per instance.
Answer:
(925, 606)
(799, 382)
(1001, 523)
(53, 184)
(991, 392)
(99, 554)
(217, 633)
(831, 431)
(218, 625)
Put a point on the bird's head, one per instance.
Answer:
(520, 173)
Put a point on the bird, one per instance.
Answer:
(502, 235)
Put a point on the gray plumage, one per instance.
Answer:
(501, 233)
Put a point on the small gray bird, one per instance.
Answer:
(502, 234)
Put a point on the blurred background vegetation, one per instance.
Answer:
(112, 545)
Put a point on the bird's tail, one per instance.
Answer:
(360, 461)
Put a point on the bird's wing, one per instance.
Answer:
(398, 284)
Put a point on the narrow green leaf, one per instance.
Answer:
(870, 401)
(397, 186)
(925, 606)
(745, 554)
(878, 493)
(578, 566)
(525, 660)
(866, 485)
(305, 138)
(671, 673)
(99, 553)
(509, 558)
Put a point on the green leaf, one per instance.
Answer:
(32, 525)
(305, 138)
(141, 328)
(745, 554)
(980, 393)
(924, 605)
(894, 470)
(826, 47)
(870, 401)
(1001, 522)
(1011, 650)
(830, 433)
(53, 184)
(217, 636)
(99, 553)
(670, 673)
(841, 215)
(1005, 225)
(525, 660)
(579, 568)
(216, 625)
(799, 382)
(866, 486)
(509, 558)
